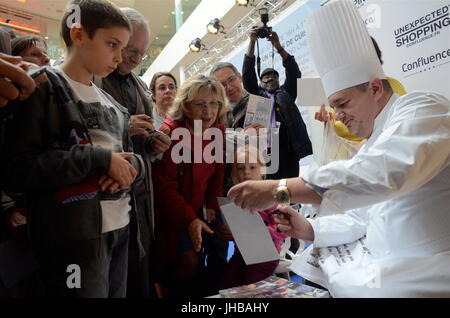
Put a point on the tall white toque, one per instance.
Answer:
(341, 47)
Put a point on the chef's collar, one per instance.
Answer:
(380, 120)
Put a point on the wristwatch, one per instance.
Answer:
(282, 195)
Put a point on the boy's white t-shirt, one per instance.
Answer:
(115, 213)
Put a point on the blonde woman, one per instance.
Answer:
(183, 190)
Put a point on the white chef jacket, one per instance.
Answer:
(399, 182)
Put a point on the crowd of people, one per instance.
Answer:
(95, 145)
(91, 174)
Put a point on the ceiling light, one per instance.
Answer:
(214, 26)
(244, 2)
(196, 45)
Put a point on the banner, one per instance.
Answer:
(414, 37)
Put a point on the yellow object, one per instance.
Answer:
(396, 86)
(342, 130)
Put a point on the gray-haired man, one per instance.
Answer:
(131, 92)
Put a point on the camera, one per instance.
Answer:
(264, 31)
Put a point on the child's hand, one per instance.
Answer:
(210, 215)
(225, 232)
(121, 170)
(105, 182)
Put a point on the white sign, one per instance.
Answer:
(311, 92)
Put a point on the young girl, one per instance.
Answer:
(248, 165)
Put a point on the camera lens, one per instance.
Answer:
(263, 32)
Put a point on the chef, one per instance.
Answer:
(394, 194)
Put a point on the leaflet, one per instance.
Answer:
(259, 110)
(250, 233)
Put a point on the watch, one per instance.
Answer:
(282, 195)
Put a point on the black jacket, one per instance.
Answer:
(294, 140)
(119, 87)
(49, 157)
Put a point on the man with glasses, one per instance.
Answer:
(131, 92)
(231, 79)
(293, 137)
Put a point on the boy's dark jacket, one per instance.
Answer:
(50, 158)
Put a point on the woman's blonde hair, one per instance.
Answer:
(252, 155)
(190, 89)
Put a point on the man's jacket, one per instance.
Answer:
(294, 140)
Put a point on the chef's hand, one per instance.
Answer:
(254, 196)
(322, 115)
(294, 224)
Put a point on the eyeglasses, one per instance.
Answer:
(213, 105)
(229, 81)
(163, 88)
(134, 52)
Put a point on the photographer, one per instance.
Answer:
(293, 137)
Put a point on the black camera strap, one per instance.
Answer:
(258, 59)
(273, 55)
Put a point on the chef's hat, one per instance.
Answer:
(341, 47)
